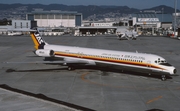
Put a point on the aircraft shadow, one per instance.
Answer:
(105, 71)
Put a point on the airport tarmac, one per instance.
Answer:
(88, 87)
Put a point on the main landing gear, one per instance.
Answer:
(70, 68)
(163, 77)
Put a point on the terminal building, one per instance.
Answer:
(151, 22)
(92, 31)
(55, 18)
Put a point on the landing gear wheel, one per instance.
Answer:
(163, 77)
(130, 38)
(70, 68)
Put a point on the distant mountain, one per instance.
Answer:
(164, 8)
(87, 11)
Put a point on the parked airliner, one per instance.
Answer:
(73, 56)
(124, 32)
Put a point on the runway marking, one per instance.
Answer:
(89, 81)
(154, 99)
(178, 88)
(86, 80)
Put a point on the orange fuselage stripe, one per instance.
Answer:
(106, 60)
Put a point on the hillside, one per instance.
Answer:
(87, 11)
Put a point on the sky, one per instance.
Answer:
(140, 4)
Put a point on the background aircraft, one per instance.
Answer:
(126, 33)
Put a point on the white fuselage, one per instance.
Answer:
(140, 62)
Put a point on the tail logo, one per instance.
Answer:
(39, 39)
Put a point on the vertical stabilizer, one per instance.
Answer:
(39, 42)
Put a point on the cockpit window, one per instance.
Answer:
(165, 64)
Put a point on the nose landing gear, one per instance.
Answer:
(163, 77)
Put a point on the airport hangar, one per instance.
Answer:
(55, 18)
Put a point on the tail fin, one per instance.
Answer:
(39, 42)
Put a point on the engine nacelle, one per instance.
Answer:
(44, 52)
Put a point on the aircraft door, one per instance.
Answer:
(80, 54)
(149, 65)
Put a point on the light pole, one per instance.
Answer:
(162, 13)
(175, 4)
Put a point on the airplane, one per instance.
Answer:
(76, 56)
(124, 33)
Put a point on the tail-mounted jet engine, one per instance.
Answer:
(44, 52)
